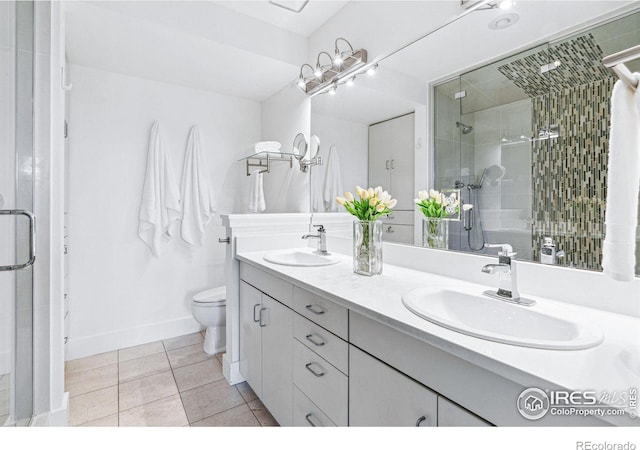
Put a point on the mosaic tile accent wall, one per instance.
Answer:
(580, 63)
(569, 172)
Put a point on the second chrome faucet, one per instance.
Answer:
(321, 237)
(506, 269)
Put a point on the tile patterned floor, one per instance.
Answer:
(165, 383)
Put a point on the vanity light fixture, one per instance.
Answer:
(342, 68)
(320, 69)
(301, 82)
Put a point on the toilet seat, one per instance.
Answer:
(217, 295)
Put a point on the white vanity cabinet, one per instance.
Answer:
(379, 395)
(453, 415)
(314, 362)
(266, 343)
(320, 360)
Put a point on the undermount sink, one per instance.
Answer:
(301, 257)
(469, 312)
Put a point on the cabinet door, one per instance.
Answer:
(250, 336)
(379, 159)
(381, 396)
(402, 155)
(277, 360)
(453, 415)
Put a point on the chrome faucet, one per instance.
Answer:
(506, 268)
(321, 237)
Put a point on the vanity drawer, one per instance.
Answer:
(322, 342)
(325, 313)
(274, 287)
(306, 413)
(325, 385)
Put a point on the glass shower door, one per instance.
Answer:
(17, 224)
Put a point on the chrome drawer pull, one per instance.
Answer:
(420, 420)
(254, 313)
(318, 342)
(266, 323)
(315, 309)
(308, 417)
(317, 374)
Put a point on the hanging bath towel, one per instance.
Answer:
(332, 181)
(623, 181)
(256, 193)
(197, 195)
(160, 206)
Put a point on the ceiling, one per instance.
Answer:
(251, 49)
(312, 17)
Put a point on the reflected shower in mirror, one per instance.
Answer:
(523, 137)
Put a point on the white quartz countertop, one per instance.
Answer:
(612, 366)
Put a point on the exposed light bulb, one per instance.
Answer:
(332, 91)
(506, 4)
(318, 72)
(372, 70)
(350, 81)
(301, 83)
(337, 60)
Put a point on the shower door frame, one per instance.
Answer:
(19, 201)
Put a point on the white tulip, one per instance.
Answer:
(392, 203)
(423, 195)
(359, 191)
(434, 194)
(340, 201)
(348, 196)
(380, 207)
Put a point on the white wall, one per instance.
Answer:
(352, 145)
(120, 294)
(284, 115)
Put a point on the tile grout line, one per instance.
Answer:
(173, 375)
(118, 410)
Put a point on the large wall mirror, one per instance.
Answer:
(511, 110)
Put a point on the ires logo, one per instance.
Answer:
(535, 403)
(575, 398)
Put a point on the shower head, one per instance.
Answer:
(466, 129)
(492, 174)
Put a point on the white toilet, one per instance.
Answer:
(208, 309)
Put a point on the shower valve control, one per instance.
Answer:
(549, 254)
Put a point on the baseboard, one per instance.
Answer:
(128, 337)
(231, 371)
(60, 417)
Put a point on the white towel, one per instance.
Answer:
(197, 195)
(623, 181)
(160, 206)
(267, 146)
(332, 182)
(256, 193)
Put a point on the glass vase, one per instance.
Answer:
(435, 233)
(367, 247)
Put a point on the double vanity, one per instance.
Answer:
(420, 343)
(322, 346)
